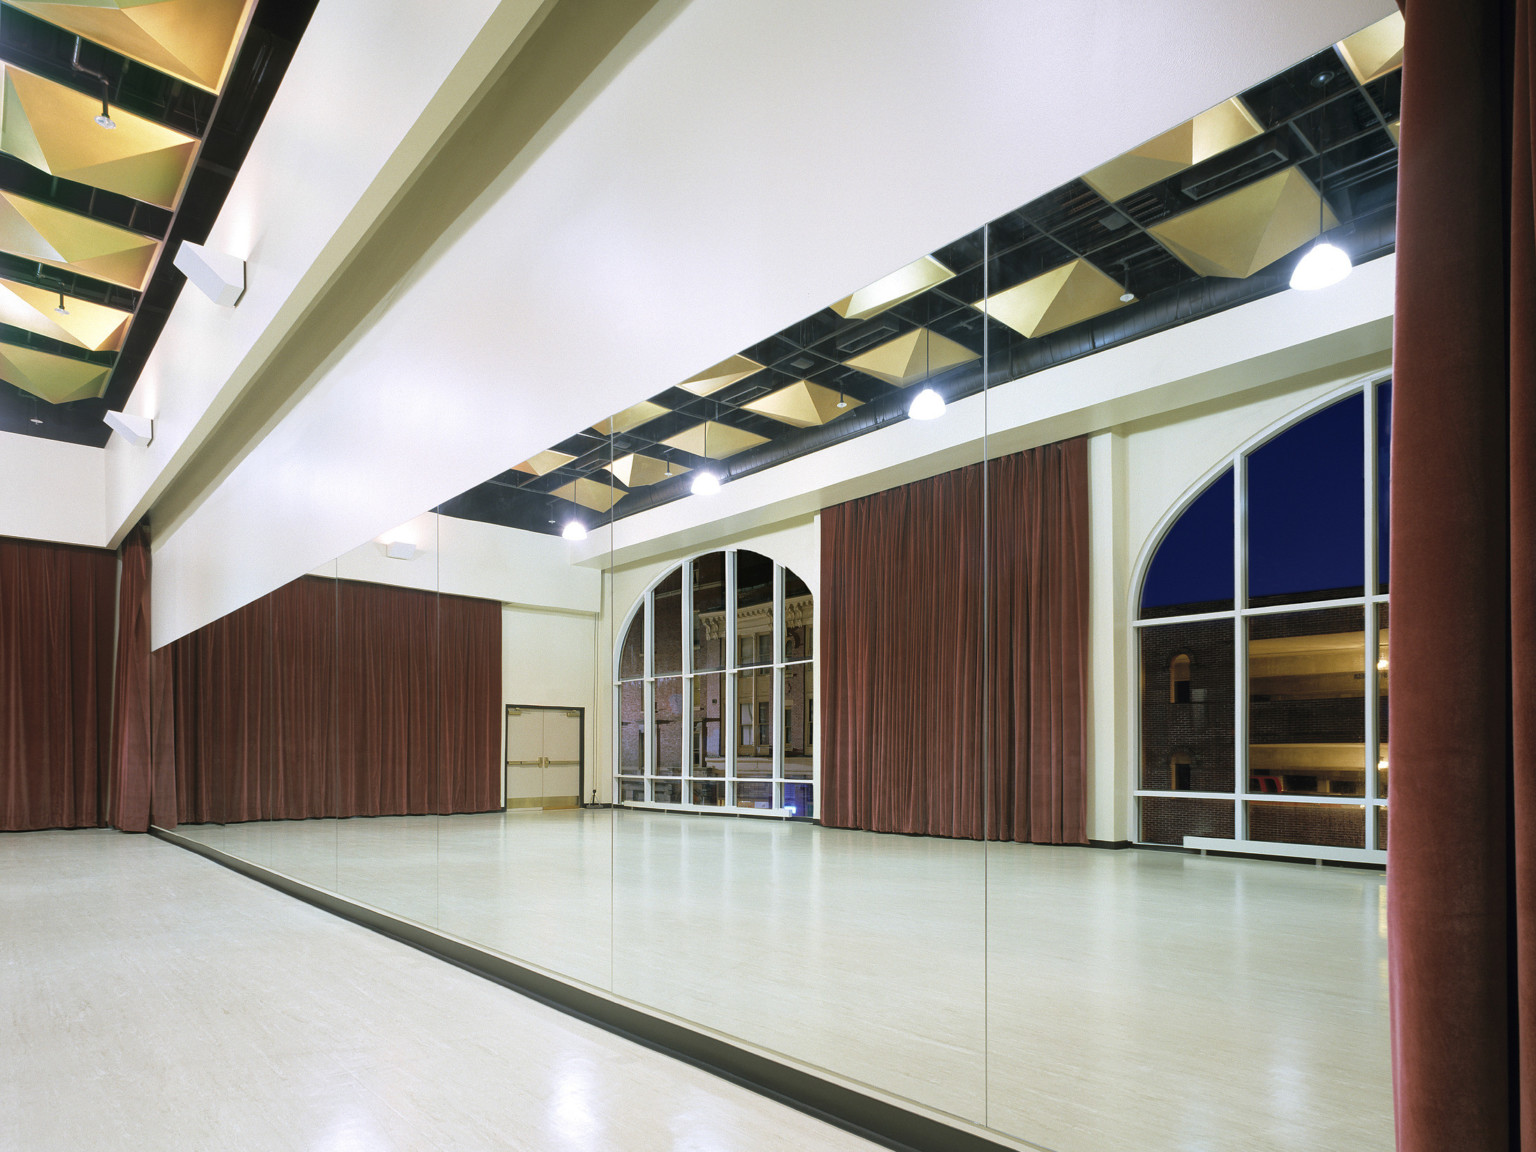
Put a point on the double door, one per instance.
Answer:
(544, 768)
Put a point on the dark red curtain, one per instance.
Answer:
(130, 777)
(906, 640)
(1462, 851)
(335, 698)
(56, 622)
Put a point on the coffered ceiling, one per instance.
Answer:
(122, 125)
(1210, 214)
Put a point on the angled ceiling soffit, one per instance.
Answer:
(1238, 234)
(41, 232)
(1373, 52)
(542, 463)
(804, 404)
(910, 357)
(723, 374)
(714, 440)
(887, 292)
(54, 128)
(193, 40)
(82, 323)
(1211, 132)
(598, 495)
(637, 471)
(1067, 295)
(632, 417)
(56, 379)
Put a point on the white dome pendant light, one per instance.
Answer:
(927, 404)
(706, 483)
(1324, 264)
(574, 530)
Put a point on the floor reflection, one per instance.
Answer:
(1083, 1000)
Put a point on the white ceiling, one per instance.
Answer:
(750, 164)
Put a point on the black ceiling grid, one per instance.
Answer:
(227, 125)
(1314, 115)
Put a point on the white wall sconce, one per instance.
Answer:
(400, 550)
(218, 275)
(137, 430)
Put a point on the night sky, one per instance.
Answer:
(1306, 505)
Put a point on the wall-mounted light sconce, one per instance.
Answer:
(218, 275)
(137, 430)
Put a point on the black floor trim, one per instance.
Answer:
(874, 1119)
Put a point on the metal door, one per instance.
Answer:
(544, 757)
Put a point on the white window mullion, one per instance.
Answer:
(1372, 616)
(730, 721)
(1240, 645)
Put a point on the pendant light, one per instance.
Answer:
(927, 404)
(706, 483)
(1324, 264)
(574, 530)
(60, 309)
(105, 119)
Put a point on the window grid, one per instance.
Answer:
(678, 790)
(1371, 803)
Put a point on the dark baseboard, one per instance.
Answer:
(1113, 845)
(875, 1119)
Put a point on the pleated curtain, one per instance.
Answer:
(954, 676)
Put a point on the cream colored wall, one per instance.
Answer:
(551, 658)
(52, 491)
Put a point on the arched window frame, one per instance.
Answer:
(729, 706)
(1374, 603)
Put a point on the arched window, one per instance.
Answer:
(1178, 679)
(1272, 579)
(715, 684)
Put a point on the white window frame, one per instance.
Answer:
(730, 710)
(1372, 603)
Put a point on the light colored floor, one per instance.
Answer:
(1086, 1001)
(152, 999)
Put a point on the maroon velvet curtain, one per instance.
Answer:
(336, 698)
(56, 618)
(904, 585)
(1462, 852)
(130, 777)
(1038, 635)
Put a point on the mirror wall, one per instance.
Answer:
(870, 698)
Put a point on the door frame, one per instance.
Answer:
(581, 745)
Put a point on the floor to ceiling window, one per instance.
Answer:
(714, 693)
(1262, 630)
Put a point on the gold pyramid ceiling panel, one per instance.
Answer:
(910, 357)
(1057, 299)
(542, 463)
(1244, 231)
(193, 40)
(720, 440)
(804, 404)
(63, 239)
(1192, 142)
(632, 417)
(1373, 52)
(889, 291)
(53, 128)
(82, 323)
(728, 371)
(594, 494)
(56, 379)
(637, 471)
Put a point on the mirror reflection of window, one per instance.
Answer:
(1178, 680)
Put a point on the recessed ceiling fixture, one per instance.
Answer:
(1324, 264)
(926, 405)
(574, 530)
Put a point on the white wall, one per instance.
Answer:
(750, 164)
(52, 491)
(552, 658)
